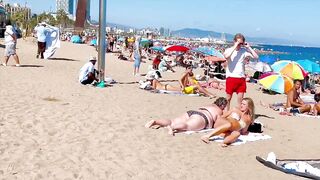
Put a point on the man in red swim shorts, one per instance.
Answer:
(235, 72)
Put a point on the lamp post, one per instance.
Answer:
(102, 41)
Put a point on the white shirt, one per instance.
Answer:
(235, 67)
(41, 33)
(85, 70)
(8, 39)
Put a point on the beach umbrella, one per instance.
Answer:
(289, 68)
(262, 67)
(177, 48)
(309, 66)
(158, 48)
(268, 59)
(144, 41)
(76, 39)
(266, 74)
(277, 82)
(214, 58)
(209, 51)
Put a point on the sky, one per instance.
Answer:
(286, 19)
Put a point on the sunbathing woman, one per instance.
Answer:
(154, 76)
(193, 120)
(234, 123)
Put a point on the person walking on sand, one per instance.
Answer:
(42, 32)
(235, 72)
(137, 56)
(10, 39)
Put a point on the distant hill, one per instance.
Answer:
(198, 33)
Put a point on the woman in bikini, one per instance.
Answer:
(193, 120)
(154, 76)
(234, 123)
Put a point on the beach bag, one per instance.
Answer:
(255, 127)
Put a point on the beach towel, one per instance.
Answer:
(308, 116)
(52, 42)
(178, 93)
(308, 168)
(241, 140)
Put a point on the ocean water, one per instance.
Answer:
(293, 53)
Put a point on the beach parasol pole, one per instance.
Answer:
(102, 41)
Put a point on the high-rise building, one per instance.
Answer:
(70, 7)
(66, 5)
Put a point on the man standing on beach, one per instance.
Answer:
(235, 72)
(42, 32)
(10, 39)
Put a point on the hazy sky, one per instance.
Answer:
(286, 19)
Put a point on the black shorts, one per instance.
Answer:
(88, 81)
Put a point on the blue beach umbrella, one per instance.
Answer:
(268, 59)
(76, 39)
(209, 51)
(309, 66)
(158, 48)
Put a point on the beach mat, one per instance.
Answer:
(308, 116)
(241, 140)
(178, 93)
(279, 165)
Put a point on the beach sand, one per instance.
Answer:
(51, 127)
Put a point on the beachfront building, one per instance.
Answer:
(17, 8)
(164, 32)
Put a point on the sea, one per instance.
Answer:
(293, 53)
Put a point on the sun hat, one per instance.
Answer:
(92, 58)
(153, 75)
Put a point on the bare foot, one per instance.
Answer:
(205, 139)
(150, 124)
(170, 131)
(224, 145)
(212, 96)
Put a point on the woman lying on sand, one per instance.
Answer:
(153, 78)
(193, 120)
(233, 123)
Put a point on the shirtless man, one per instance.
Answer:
(190, 85)
(193, 120)
(294, 101)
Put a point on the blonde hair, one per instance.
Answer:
(250, 107)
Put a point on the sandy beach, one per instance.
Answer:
(52, 127)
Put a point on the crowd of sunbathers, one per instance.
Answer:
(188, 84)
(230, 124)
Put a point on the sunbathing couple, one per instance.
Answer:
(188, 83)
(229, 125)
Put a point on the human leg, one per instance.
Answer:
(229, 97)
(221, 129)
(232, 137)
(193, 123)
(16, 58)
(316, 109)
(160, 122)
(205, 91)
(239, 99)
(305, 108)
(6, 59)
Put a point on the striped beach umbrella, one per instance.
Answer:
(277, 82)
(289, 68)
